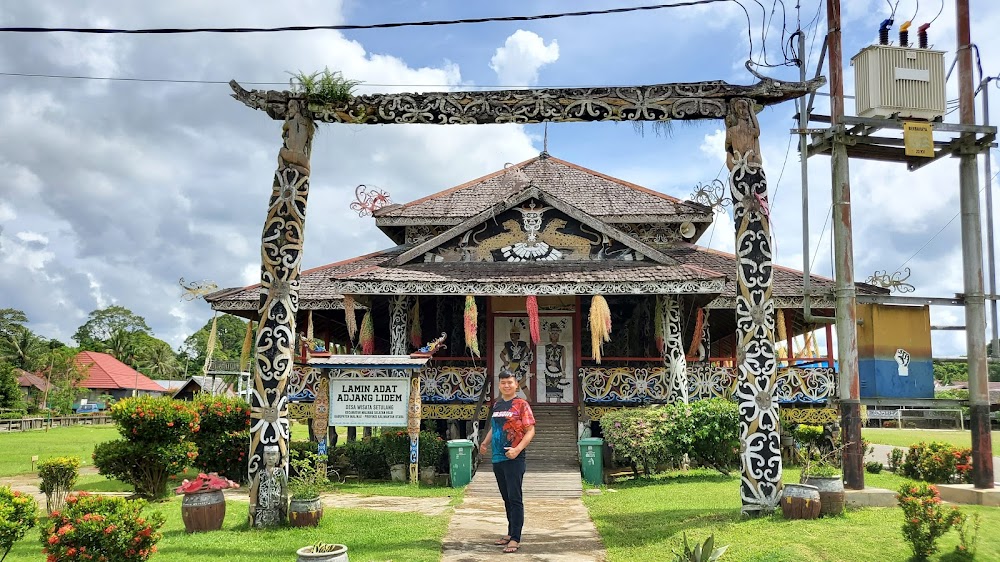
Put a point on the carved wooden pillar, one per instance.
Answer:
(281, 257)
(413, 424)
(397, 325)
(673, 348)
(760, 453)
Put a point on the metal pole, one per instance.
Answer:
(972, 263)
(844, 291)
(990, 253)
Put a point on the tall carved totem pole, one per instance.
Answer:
(281, 257)
(760, 452)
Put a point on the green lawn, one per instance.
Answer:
(907, 437)
(643, 520)
(370, 535)
(78, 440)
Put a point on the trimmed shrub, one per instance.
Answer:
(12, 415)
(873, 467)
(716, 433)
(223, 436)
(937, 462)
(635, 435)
(366, 457)
(432, 449)
(395, 447)
(58, 478)
(895, 459)
(157, 443)
(102, 528)
(17, 515)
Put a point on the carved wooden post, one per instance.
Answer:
(673, 348)
(413, 424)
(760, 453)
(281, 257)
(397, 324)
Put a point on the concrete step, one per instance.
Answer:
(565, 483)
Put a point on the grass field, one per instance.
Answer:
(643, 520)
(907, 437)
(78, 440)
(370, 535)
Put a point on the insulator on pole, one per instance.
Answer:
(922, 35)
(904, 38)
(883, 31)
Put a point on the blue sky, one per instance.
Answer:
(114, 190)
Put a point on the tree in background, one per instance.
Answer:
(156, 358)
(65, 376)
(19, 346)
(11, 397)
(96, 333)
(229, 334)
(948, 373)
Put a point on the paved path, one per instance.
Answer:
(556, 530)
(881, 455)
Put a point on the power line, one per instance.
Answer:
(347, 27)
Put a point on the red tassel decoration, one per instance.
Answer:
(658, 323)
(367, 335)
(531, 305)
(472, 325)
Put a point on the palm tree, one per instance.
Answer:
(122, 346)
(159, 362)
(22, 348)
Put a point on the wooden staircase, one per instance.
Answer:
(553, 459)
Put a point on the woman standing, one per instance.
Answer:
(512, 429)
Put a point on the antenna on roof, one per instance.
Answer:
(545, 141)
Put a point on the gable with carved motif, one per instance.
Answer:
(532, 232)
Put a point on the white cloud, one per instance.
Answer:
(28, 236)
(523, 53)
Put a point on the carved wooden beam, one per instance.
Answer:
(661, 102)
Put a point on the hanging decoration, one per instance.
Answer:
(416, 336)
(309, 335)
(368, 201)
(531, 306)
(780, 344)
(658, 323)
(247, 345)
(210, 344)
(367, 336)
(600, 326)
(696, 334)
(472, 325)
(349, 318)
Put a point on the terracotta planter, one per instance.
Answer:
(831, 494)
(306, 554)
(800, 501)
(305, 513)
(203, 511)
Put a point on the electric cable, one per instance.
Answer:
(348, 27)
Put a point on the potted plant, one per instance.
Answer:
(323, 552)
(204, 506)
(823, 472)
(396, 449)
(432, 447)
(305, 508)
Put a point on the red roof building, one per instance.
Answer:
(105, 373)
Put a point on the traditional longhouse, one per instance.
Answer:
(538, 247)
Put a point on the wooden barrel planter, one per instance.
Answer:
(203, 511)
(305, 513)
(800, 501)
(831, 494)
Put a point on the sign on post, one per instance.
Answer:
(918, 139)
(369, 401)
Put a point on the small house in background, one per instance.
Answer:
(109, 376)
(215, 386)
(34, 386)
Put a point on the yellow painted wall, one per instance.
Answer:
(886, 328)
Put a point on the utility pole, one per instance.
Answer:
(843, 247)
(990, 251)
(972, 262)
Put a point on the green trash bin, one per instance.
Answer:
(592, 460)
(460, 461)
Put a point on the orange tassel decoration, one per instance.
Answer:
(696, 337)
(367, 334)
(531, 305)
(415, 334)
(472, 325)
(658, 323)
(600, 326)
(352, 321)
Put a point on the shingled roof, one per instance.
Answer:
(597, 194)
(104, 372)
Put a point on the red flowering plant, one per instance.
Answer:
(205, 483)
(925, 519)
(101, 529)
(223, 436)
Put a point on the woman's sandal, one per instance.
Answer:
(502, 541)
(511, 549)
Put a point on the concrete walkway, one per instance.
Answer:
(557, 530)
(881, 454)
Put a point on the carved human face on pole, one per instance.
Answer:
(270, 456)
